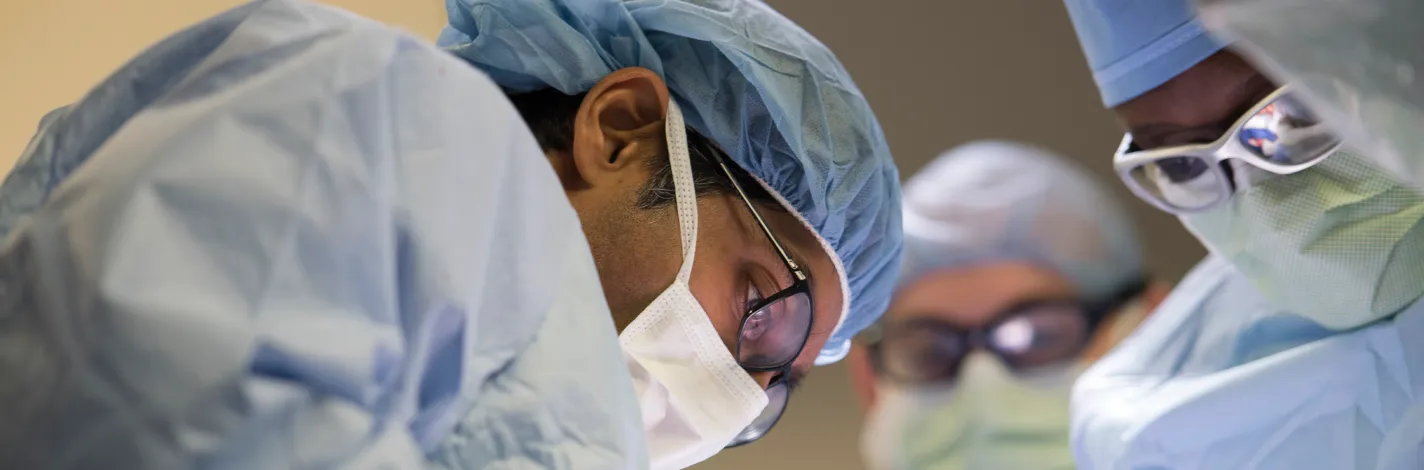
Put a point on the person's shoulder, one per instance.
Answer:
(291, 54)
(351, 46)
(1206, 275)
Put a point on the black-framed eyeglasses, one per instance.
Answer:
(926, 351)
(774, 330)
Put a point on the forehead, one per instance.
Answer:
(805, 248)
(976, 294)
(1203, 95)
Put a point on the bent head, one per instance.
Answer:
(836, 224)
(608, 147)
(1252, 172)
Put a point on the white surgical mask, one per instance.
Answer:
(988, 420)
(1340, 243)
(694, 396)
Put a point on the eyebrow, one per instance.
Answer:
(1002, 311)
(817, 327)
(796, 256)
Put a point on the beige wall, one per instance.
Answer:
(52, 52)
(938, 73)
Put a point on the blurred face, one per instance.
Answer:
(964, 298)
(974, 297)
(617, 131)
(1278, 195)
(972, 369)
(1030, 312)
(1024, 311)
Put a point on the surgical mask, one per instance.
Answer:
(989, 420)
(694, 396)
(993, 419)
(1339, 243)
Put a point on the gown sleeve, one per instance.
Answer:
(314, 247)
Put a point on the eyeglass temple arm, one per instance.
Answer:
(795, 268)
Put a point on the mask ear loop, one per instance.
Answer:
(683, 187)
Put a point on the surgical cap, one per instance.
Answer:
(994, 201)
(766, 91)
(1134, 46)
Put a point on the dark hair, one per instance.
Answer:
(550, 115)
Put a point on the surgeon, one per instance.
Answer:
(1356, 62)
(1020, 270)
(1296, 344)
(584, 234)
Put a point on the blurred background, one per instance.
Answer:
(938, 74)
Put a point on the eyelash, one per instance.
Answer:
(754, 282)
(753, 294)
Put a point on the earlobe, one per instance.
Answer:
(620, 124)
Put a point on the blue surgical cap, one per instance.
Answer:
(1134, 46)
(993, 201)
(775, 98)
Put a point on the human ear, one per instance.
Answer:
(1118, 325)
(620, 125)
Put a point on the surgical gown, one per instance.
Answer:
(1218, 379)
(289, 237)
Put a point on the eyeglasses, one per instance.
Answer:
(1279, 135)
(924, 351)
(773, 331)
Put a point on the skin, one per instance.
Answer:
(973, 296)
(1196, 106)
(617, 130)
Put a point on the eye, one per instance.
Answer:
(755, 325)
(1182, 169)
(753, 297)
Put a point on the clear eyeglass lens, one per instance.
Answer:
(778, 395)
(914, 353)
(1285, 132)
(1044, 335)
(1185, 182)
(775, 334)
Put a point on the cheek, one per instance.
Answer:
(813, 347)
(637, 256)
(716, 275)
(712, 285)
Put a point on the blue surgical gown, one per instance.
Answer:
(290, 237)
(1216, 378)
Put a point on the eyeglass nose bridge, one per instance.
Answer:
(976, 340)
(1217, 167)
(980, 340)
(769, 378)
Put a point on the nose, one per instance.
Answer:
(764, 378)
